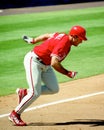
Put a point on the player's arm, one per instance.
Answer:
(56, 64)
(43, 37)
(40, 38)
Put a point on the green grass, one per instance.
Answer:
(87, 59)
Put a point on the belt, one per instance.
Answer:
(40, 60)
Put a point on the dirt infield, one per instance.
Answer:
(86, 113)
(84, 109)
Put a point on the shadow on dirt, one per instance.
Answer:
(91, 122)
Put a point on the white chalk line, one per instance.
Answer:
(58, 102)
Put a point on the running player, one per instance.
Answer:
(39, 64)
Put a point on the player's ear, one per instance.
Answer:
(75, 36)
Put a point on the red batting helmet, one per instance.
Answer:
(78, 31)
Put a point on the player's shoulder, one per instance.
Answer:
(60, 34)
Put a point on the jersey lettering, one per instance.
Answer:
(59, 36)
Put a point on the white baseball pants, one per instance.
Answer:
(35, 73)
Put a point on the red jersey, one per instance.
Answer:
(59, 45)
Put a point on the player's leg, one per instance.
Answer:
(50, 82)
(33, 75)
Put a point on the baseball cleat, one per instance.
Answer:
(21, 94)
(15, 118)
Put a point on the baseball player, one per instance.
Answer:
(39, 64)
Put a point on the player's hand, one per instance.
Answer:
(72, 74)
(29, 40)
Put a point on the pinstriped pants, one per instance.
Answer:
(35, 73)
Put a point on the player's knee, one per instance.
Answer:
(34, 93)
(55, 90)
